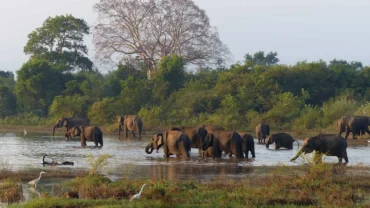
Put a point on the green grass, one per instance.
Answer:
(322, 185)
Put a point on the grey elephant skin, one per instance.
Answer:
(357, 125)
(68, 123)
(228, 141)
(131, 123)
(324, 144)
(213, 128)
(197, 135)
(281, 140)
(87, 133)
(341, 124)
(262, 131)
(173, 142)
(248, 145)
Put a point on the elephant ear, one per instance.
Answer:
(160, 139)
(210, 139)
(76, 130)
(316, 143)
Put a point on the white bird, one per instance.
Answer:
(25, 132)
(36, 181)
(137, 196)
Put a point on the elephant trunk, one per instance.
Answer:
(119, 130)
(267, 145)
(54, 129)
(149, 148)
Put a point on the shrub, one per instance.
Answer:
(310, 118)
(69, 106)
(336, 108)
(103, 111)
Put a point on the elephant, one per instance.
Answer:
(262, 130)
(281, 140)
(130, 123)
(87, 133)
(173, 142)
(228, 141)
(357, 125)
(54, 163)
(213, 128)
(69, 123)
(342, 123)
(324, 144)
(248, 145)
(196, 135)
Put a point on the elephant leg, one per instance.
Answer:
(354, 135)
(347, 134)
(133, 133)
(344, 154)
(125, 131)
(83, 142)
(340, 159)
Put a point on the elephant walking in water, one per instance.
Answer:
(87, 133)
(173, 142)
(69, 123)
(262, 130)
(281, 140)
(357, 125)
(228, 141)
(197, 135)
(130, 123)
(324, 144)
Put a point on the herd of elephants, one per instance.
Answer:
(212, 140)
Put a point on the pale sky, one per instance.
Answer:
(297, 29)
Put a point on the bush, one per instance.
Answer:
(153, 116)
(336, 108)
(69, 106)
(310, 118)
(363, 110)
(103, 111)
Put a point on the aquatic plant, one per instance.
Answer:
(97, 164)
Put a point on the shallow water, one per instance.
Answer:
(130, 160)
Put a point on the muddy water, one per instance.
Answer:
(130, 160)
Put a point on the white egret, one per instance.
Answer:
(25, 132)
(36, 181)
(137, 196)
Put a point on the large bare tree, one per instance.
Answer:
(152, 29)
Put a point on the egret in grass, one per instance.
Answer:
(36, 181)
(137, 196)
(25, 132)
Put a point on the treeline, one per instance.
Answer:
(299, 97)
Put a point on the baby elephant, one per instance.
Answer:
(248, 145)
(87, 133)
(281, 140)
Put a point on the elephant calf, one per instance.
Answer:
(87, 133)
(324, 144)
(248, 145)
(173, 142)
(281, 140)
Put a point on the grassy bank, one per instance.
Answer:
(322, 185)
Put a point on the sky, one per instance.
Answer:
(304, 30)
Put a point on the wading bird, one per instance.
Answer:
(36, 181)
(25, 132)
(137, 196)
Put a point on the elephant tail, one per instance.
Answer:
(297, 143)
(136, 128)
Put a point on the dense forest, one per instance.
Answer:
(59, 80)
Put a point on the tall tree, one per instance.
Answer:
(259, 58)
(150, 30)
(37, 85)
(60, 41)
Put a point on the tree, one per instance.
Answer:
(60, 41)
(151, 30)
(259, 58)
(37, 85)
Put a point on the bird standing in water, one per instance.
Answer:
(36, 181)
(25, 132)
(137, 196)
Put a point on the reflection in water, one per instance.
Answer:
(130, 160)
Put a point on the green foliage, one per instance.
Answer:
(60, 41)
(69, 106)
(99, 163)
(363, 110)
(259, 58)
(38, 83)
(104, 111)
(310, 118)
(153, 116)
(171, 71)
(336, 108)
